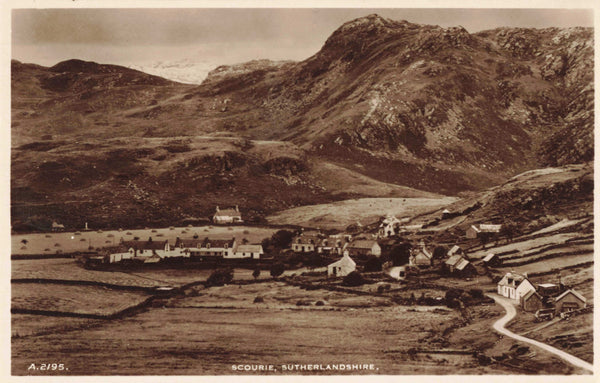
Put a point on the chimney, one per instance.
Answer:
(217, 207)
(236, 208)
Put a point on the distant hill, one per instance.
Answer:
(434, 109)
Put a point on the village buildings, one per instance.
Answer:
(231, 215)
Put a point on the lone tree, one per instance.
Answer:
(282, 239)
(256, 273)
(277, 269)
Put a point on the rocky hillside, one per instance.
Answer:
(431, 108)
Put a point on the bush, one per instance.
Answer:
(258, 300)
(353, 279)
(372, 264)
(220, 277)
(452, 297)
(256, 273)
(476, 293)
(277, 269)
(320, 303)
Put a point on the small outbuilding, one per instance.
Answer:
(492, 260)
(532, 301)
(570, 300)
(342, 267)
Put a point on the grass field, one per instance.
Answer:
(77, 299)
(339, 215)
(191, 335)
(51, 243)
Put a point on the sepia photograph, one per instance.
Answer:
(293, 191)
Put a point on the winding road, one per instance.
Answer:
(510, 314)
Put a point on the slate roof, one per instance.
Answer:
(577, 295)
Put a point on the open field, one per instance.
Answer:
(338, 215)
(67, 242)
(207, 333)
(68, 269)
(76, 299)
(23, 325)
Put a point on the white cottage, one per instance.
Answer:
(514, 286)
(247, 252)
(342, 267)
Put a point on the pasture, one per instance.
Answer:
(69, 242)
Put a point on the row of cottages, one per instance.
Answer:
(150, 251)
(154, 251)
(476, 230)
(203, 248)
(231, 215)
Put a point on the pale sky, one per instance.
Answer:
(227, 36)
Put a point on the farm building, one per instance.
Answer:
(568, 301)
(458, 265)
(342, 267)
(492, 260)
(57, 226)
(420, 257)
(548, 289)
(363, 247)
(446, 214)
(475, 231)
(455, 250)
(247, 251)
(532, 301)
(397, 272)
(514, 286)
(232, 215)
(305, 243)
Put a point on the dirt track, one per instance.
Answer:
(500, 324)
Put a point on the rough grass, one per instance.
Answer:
(339, 215)
(76, 299)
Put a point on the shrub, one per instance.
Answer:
(256, 273)
(320, 303)
(476, 293)
(353, 279)
(277, 269)
(220, 277)
(258, 300)
(372, 264)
